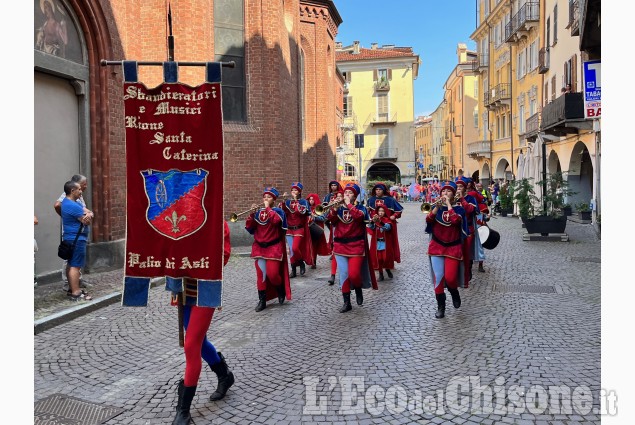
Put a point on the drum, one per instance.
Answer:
(489, 237)
(316, 231)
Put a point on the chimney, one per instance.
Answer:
(355, 47)
(338, 44)
(461, 51)
(373, 46)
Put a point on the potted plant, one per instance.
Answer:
(584, 211)
(567, 210)
(557, 192)
(505, 196)
(549, 217)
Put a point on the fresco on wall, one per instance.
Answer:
(55, 32)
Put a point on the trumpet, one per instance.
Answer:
(321, 210)
(426, 207)
(234, 217)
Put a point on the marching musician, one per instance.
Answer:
(350, 246)
(469, 204)
(318, 245)
(269, 225)
(481, 218)
(338, 198)
(447, 225)
(196, 322)
(380, 197)
(335, 188)
(381, 249)
(298, 211)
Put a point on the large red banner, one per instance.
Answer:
(174, 164)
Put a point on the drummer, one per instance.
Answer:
(470, 205)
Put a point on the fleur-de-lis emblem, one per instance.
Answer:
(175, 220)
(346, 215)
(262, 216)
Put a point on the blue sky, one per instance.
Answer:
(432, 28)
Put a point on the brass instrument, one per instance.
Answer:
(321, 210)
(234, 217)
(426, 207)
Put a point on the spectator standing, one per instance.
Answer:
(75, 220)
(83, 182)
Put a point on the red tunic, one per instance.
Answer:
(448, 230)
(269, 240)
(376, 233)
(349, 235)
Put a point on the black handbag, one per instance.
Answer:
(65, 250)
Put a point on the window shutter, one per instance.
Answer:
(574, 73)
(350, 106)
(348, 77)
(389, 74)
(374, 75)
(553, 88)
(565, 75)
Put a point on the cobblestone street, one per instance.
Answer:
(532, 319)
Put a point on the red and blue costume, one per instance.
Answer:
(297, 212)
(319, 246)
(381, 248)
(470, 205)
(268, 226)
(394, 209)
(350, 247)
(448, 229)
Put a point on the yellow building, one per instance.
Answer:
(461, 123)
(378, 103)
(423, 146)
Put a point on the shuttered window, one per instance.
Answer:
(382, 107)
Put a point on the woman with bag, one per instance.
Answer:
(75, 223)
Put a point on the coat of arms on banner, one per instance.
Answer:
(175, 201)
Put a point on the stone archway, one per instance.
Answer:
(553, 163)
(580, 174)
(485, 176)
(503, 170)
(384, 171)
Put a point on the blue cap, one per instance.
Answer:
(449, 185)
(271, 191)
(297, 185)
(353, 187)
(380, 185)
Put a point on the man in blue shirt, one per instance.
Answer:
(73, 217)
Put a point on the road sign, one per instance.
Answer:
(592, 89)
(359, 140)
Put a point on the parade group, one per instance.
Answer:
(290, 232)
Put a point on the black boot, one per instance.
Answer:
(347, 303)
(389, 273)
(225, 378)
(480, 267)
(332, 280)
(281, 293)
(381, 275)
(440, 314)
(456, 298)
(186, 394)
(262, 300)
(302, 268)
(359, 296)
(294, 271)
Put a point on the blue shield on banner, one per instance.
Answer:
(175, 201)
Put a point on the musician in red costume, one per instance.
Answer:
(380, 197)
(335, 189)
(319, 246)
(269, 225)
(350, 246)
(447, 226)
(381, 249)
(481, 214)
(469, 204)
(196, 322)
(297, 212)
(339, 197)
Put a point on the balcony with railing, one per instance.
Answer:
(383, 119)
(519, 25)
(574, 17)
(385, 154)
(481, 149)
(498, 96)
(481, 62)
(564, 115)
(532, 126)
(543, 60)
